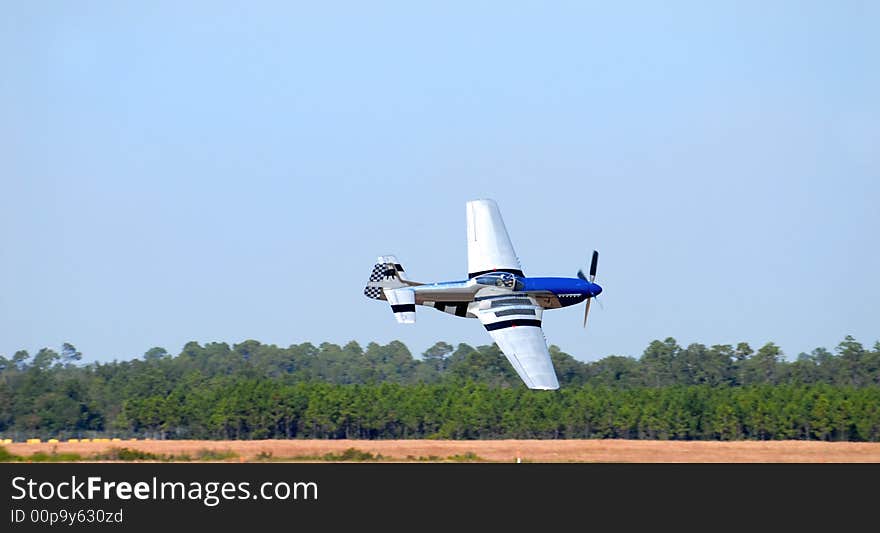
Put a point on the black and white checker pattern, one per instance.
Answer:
(373, 292)
(378, 274)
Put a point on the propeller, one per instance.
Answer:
(593, 264)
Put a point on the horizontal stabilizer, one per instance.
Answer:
(403, 304)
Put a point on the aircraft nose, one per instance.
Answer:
(595, 289)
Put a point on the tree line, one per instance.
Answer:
(252, 390)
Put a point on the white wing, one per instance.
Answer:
(489, 246)
(518, 333)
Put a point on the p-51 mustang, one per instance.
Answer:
(509, 304)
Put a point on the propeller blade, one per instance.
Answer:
(587, 311)
(581, 275)
(593, 264)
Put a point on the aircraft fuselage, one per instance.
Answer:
(549, 293)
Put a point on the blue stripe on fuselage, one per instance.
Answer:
(444, 285)
(556, 285)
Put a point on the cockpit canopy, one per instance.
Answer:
(504, 280)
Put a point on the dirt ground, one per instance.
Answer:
(542, 451)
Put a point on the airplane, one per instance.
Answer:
(508, 304)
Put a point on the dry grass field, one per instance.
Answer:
(540, 451)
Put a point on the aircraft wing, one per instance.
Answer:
(519, 335)
(489, 246)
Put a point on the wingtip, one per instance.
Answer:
(482, 200)
(554, 386)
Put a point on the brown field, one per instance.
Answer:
(541, 451)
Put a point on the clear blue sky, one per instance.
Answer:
(213, 171)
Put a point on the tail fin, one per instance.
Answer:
(387, 274)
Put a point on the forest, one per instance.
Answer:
(252, 390)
